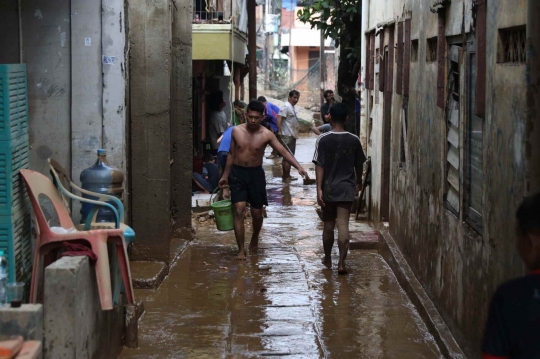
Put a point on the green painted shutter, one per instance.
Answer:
(15, 225)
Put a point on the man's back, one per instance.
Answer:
(513, 326)
(339, 153)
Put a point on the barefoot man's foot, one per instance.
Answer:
(327, 262)
(253, 248)
(342, 270)
(241, 256)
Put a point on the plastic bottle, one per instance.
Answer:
(3, 279)
(101, 178)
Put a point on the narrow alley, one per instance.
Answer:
(281, 302)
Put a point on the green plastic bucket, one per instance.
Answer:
(224, 213)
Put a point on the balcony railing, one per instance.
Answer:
(221, 12)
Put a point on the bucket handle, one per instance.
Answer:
(213, 192)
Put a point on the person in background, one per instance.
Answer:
(271, 112)
(239, 112)
(325, 108)
(218, 119)
(223, 152)
(338, 166)
(318, 130)
(287, 124)
(513, 324)
(208, 180)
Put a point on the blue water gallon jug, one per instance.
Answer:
(104, 179)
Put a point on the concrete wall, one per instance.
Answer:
(458, 267)
(9, 24)
(150, 74)
(47, 54)
(181, 116)
(74, 324)
(76, 101)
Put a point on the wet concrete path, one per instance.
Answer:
(280, 302)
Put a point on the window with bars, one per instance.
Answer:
(453, 162)
(512, 45)
(414, 50)
(431, 49)
(474, 149)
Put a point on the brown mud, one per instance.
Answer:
(281, 302)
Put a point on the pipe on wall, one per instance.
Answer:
(532, 147)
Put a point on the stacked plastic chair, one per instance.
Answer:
(15, 209)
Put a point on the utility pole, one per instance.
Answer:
(532, 145)
(252, 49)
(322, 67)
(267, 52)
(291, 20)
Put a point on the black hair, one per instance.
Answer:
(256, 106)
(327, 92)
(207, 157)
(215, 99)
(338, 112)
(294, 92)
(528, 214)
(261, 99)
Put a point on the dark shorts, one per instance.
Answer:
(329, 211)
(248, 184)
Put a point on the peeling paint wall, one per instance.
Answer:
(459, 267)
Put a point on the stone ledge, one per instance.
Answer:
(148, 275)
(26, 321)
(437, 327)
(365, 240)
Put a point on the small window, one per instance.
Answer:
(512, 45)
(431, 50)
(403, 136)
(377, 88)
(377, 56)
(414, 50)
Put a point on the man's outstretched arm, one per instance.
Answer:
(287, 156)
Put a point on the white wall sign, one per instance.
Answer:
(87, 41)
(108, 60)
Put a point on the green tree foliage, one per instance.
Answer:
(340, 20)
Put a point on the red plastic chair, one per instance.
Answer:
(39, 185)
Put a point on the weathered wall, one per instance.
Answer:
(9, 24)
(47, 53)
(74, 324)
(76, 102)
(181, 115)
(150, 80)
(459, 267)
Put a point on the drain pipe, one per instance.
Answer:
(532, 145)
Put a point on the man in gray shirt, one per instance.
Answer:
(218, 123)
(287, 124)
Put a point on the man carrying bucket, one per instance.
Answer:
(245, 175)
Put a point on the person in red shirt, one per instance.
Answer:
(513, 324)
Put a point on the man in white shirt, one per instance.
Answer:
(287, 124)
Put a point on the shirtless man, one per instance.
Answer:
(245, 175)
